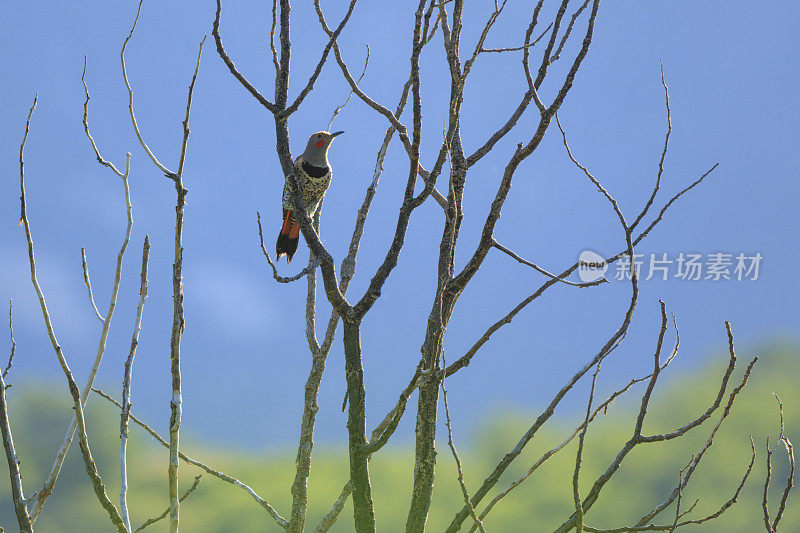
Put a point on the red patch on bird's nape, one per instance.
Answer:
(319, 144)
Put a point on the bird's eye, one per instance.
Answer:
(319, 136)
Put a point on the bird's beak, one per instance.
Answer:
(335, 133)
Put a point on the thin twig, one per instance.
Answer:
(350, 94)
(313, 264)
(663, 153)
(518, 48)
(151, 521)
(87, 281)
(529, 95)
(593, 179)
(680, 497)
(332, 36)
(772, 526)
(232, 68)
(168, 173)
(540, 270)
(272, 48)
(97, 154)
(11, 333)
(509, 457)
(178, 320)
(567, 33)
(330, 518)
(579, 455)
(449, 423)
(127, 383)
(498, 9)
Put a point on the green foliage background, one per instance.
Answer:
(649, 473)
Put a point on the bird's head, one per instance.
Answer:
(318, 144)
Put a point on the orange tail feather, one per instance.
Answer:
(288, 237)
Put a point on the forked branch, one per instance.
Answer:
(772, 525)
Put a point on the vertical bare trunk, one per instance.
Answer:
(428, 401)
(357, 429)
(175, 357)
(425, 463)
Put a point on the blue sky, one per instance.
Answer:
(732, 70)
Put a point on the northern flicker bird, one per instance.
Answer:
(313, 173)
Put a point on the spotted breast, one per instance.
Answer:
(314, 181)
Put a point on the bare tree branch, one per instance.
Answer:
(663, 153)
(151, 521)
(609, 346)
(567, 33)
(272, 49)
(229, 63)
(702, 418)
(540, 270)
(657, 527)
(431, 368)
(380, 436)
(168, 173)
(17, 492)
(313, 264)
(178, 317)
(576, 494)
(126, 389)
(638, 438)
(194, 462)
(594, 180)
(530, 94)
(522, 153)
(341, 106)
(310, 85)
(672, 200)
(91, 467)
(498, 10)
(465, 359)
(61, 454)
(11, 334)
(88, 284)
(97, 154)
(319, 353)
(680, 497)
(518, 48)
(299, 488)
(393, 118)
(330, 518)
(772, 526)
(601, 407)
(449, 423)
(178, 321)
